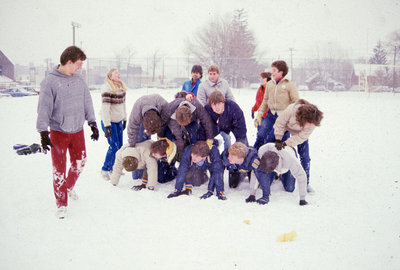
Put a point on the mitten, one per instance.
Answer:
(257, 122)
(251, 198)
(139, 187)
(45, 141)
(95, 131)
(174, 194)
(107, 132)
(206, 195)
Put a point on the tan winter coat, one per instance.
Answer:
(141, 151)
(278, 96)
(287, 121)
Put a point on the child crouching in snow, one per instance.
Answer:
(284, 163)
(136, 158)
(196, 159)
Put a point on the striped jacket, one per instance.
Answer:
(113, 108)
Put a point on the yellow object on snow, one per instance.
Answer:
(287, 236)
(246, 221)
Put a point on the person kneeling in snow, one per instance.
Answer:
(240, 159)
(284, 163)
(136, 158)
(196, 159)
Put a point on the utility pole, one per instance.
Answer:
(74, 25)
(394, 67)
(291, 61)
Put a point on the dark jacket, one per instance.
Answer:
(198, 113)
(232, 119)
(213, 163)
(141, 106)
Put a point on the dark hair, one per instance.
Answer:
(216, 97)
(130, 163)
(159, 147)
(308, 113)
(201, 149)
(72, 53)
(181, 94)
(199, 69)
(151, 122)
(269, 161)
(281, 66)
(266, 75)
(183, 115)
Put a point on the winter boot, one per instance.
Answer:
(106, 175)
(72, 194)
(234, 179)
(263, 200)
(61, 212)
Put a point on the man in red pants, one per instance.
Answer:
(64, 105)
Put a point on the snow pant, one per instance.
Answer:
(115, 143)
(75, 144)
(166, 172)
(138, 174)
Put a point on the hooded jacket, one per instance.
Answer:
(232, 119)
(278, 96)
(64, 103)
(145, 161)
(141, 106)
(207, 87)
(288, 161)
(287, 121)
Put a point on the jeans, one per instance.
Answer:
(115, 143)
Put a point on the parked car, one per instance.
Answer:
(32, 89)
(18, 92)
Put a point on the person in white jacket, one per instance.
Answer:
(113, 117)
(283, 163)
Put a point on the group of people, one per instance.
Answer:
(186, 129)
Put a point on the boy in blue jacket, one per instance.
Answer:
(192, 85)
(239, 159)
(196, 159)
(227, 116)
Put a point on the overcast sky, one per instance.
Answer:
(34, 30)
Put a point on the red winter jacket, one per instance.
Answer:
(259, 100)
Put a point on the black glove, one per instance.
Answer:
(303, 202)
(252, 115)
(95, 134)
(186, 192)
(279, 144)
(251, 198)
(108, 132)
(45, 141)
(139, 187)
(123, 125)
(206, 195)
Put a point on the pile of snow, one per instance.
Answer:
(352, 221)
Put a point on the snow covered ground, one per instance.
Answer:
(352, 221)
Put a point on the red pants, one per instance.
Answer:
(75, 144)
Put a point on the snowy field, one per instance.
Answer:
(352, 221)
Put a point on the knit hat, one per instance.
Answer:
(199, 69)
(269, 161)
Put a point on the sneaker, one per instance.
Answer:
(61, 212)
(72, 194)
(106, 175)
(310, 189)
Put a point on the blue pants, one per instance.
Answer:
(264, 129)
(115, 142)
(138, 174)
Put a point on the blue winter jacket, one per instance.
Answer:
(213, 162)
(251, 162)
(187, 86)
(232, 119)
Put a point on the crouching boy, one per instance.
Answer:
(136, 158)
(284, 163)
(196, 159)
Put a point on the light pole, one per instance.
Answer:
(74, 25)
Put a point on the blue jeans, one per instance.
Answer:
(115, 143)
(262, 132)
